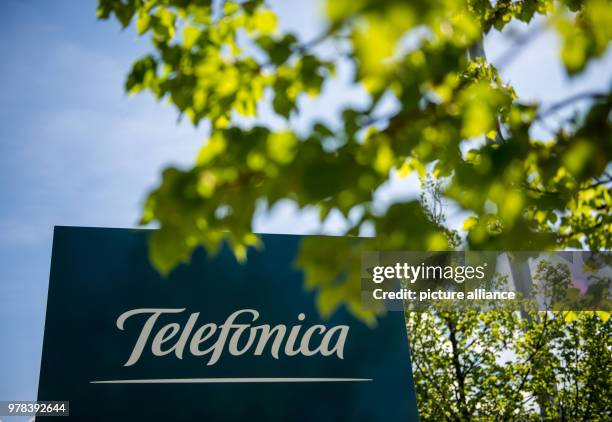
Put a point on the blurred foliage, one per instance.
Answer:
(220, 61)
(512, 361)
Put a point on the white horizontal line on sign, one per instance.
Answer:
(227, 380)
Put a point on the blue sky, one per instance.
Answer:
(75, 150)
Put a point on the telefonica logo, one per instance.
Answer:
(210, 339)
(241, 338)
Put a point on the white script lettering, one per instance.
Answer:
(241, 337)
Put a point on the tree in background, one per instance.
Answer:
(512, 363)
(453, 118)
(516, 360)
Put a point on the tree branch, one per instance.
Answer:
(463, 408)
(568, 101)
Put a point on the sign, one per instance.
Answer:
(214, 341)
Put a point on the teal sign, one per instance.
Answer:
(215, 341)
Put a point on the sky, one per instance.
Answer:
(75, 150)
